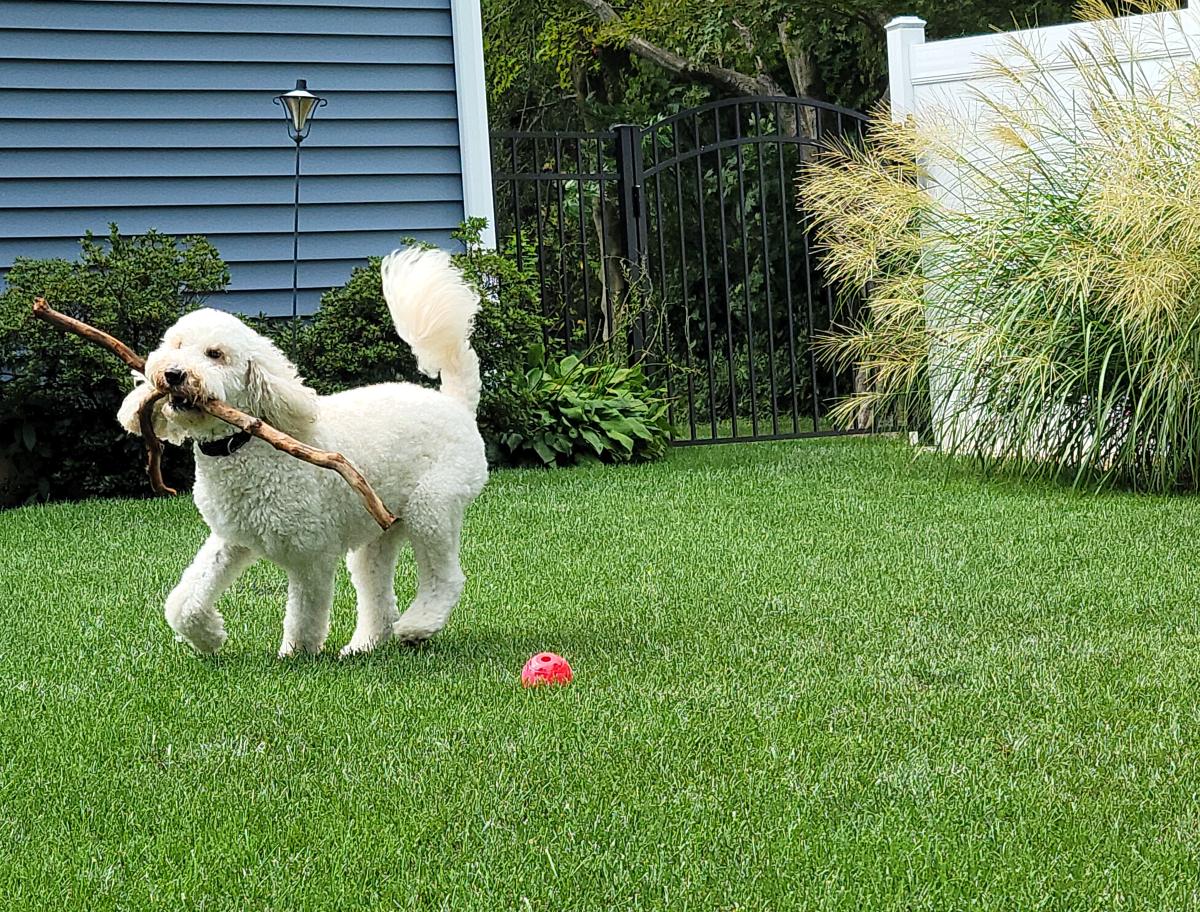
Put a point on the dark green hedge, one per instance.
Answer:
(59, 395)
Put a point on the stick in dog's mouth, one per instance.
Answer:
(154, 447)
(218, 409)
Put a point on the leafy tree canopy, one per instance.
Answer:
(589, 63)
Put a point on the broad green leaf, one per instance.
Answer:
(546, 454)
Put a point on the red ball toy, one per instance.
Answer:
(546, 668)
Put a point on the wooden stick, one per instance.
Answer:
(225, 412)
(100, 337)
(153, 445)
(326, 459)
(154, 448)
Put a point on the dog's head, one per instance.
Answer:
(209, 354)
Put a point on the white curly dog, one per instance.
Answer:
(419, 448)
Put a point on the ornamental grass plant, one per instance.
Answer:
(1029, 265)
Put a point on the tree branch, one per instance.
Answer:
(748, 40)
(154, 447)
(326, 459)
(100, 337)
(710, 74)
(799, 63)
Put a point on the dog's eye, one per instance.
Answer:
(214, 353)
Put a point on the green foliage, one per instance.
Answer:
(588, 413)
(58, 394)
(351, 340)
(571, 67)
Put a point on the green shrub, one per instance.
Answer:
(351, 340)
(58, 394)
(587, 413)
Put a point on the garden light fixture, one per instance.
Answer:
(298, 105)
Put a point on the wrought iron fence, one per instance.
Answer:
(555, 199)
(682, 241)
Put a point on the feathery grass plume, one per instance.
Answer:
(1028, 272)
(871, 209)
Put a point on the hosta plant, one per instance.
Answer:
(588, 413)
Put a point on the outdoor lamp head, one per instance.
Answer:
(299, 105)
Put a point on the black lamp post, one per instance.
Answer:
(298, 105)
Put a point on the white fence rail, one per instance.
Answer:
(936, 76)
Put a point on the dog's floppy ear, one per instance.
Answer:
(277, 394)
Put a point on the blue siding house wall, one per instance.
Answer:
(158, 114)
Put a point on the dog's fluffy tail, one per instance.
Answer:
(434, 308)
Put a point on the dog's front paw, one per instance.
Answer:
(202, 629)
(205, 639)
(412, 632)
(363, 642)
(290, 648)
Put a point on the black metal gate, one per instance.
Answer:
(682, 241)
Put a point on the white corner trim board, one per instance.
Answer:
(473, 137)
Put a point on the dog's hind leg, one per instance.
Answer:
(434, 528)
(373, 572)
(191, 607)
(310, 598)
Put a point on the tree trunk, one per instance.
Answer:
(605, 216)
(801, 70)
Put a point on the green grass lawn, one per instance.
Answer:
(810, 675)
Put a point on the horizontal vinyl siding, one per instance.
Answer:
(99, 75)
(302, 19)
(109, 193)
(233, 220)
(300, 4)
(243, 162)
(63, 104)
(158, 114)
(218, 134)
(255, 248)
(203, 47)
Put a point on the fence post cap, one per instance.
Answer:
(905, 22)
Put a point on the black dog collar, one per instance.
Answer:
(226, 446)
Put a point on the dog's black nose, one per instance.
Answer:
(174, 377)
